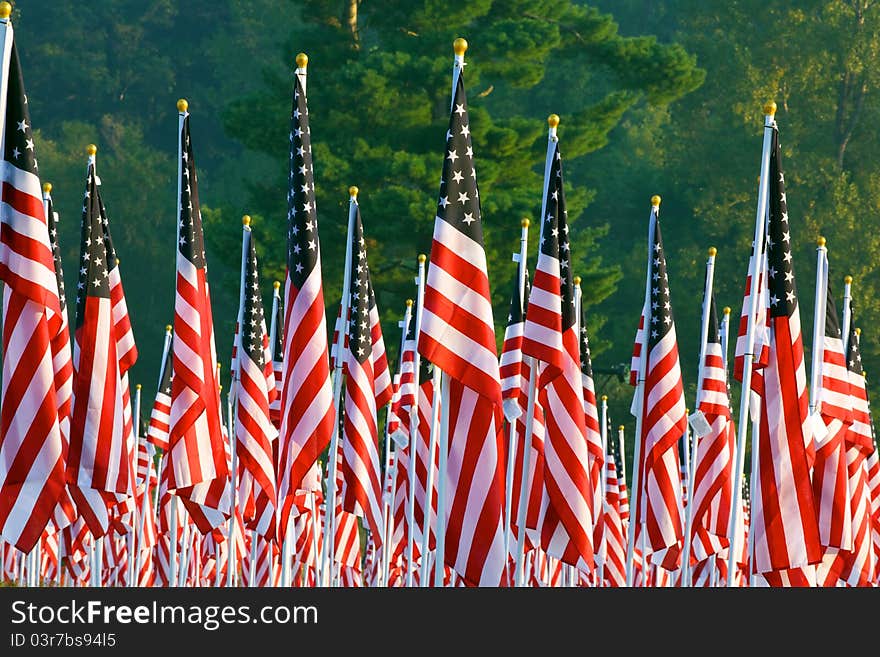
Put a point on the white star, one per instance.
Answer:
(465, 130)
(444, 201)
(468, 218)
(459, 109)
(463, 197)
(457, 177)
(774, 300)
(23, 126)
(452, 155)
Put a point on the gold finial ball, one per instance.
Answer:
(655, 200)
(459, 46)
(302, 60)
(353, 191)
(409, 303)
(553, 120)
(168, 328)
(91, 149)
(847, 280)
(276, 285)
(422, 258)
(770, 108)
(577, 280)
(118, 261)
(820, 241)
(5, 9)
(858, 331)
(182, 105)
(47, 188)
(620, 427)
(246, 220)
(525, 222)
(712, 251)
(138, 386)
(604, 397)
(726, 310)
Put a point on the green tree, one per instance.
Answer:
(379, 85)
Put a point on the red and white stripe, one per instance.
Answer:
(713, 462)
(611, 538)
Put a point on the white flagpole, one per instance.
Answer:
(847, 313)
(138, 519)
(819, 309)
(725, 336)
(748, 357)
(327, 577)
(386, 503)
(414, 429)
(691, 445)
(519, 258)
(440, 552)
(429, 481)
(389, 525)
(603, 546)
(233, 468)
(6, 51)
(519, 573)
(635, 505)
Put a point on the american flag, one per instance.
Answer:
(782, 515)
(367, 387)
(861, 565)
(714, 455)
(160, 415)
(196, 458)
(551, 337)
(458, 336)
(99, 463)
(32, 446)
(307, 413)
(255, 386)
(835, 406)
(658, 498)
(276, 343)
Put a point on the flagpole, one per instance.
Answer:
(233, 468)
(819, 309)
(414, 427)
(6, 52)
(691, 446)
(327, 578)
(748, 356)
(440, 551)
(386, 503)
(429, 480)
(636, 502)
(603, 546)
(847, 312)
(725, 335)
(520, 258)
(138, 520)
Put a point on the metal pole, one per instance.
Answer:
(441, 483)
(327, 570)
(436, 405)
(692, 445)
(414, 428)
(635, 499)
(748, 357)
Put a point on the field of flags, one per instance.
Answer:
(327, 465)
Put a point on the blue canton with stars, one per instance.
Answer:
(93, 272)
(780, 268)
(459, 203)
(554, 237)
(190, 241)
(19, 143)
(302, 222)
(660, 321)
